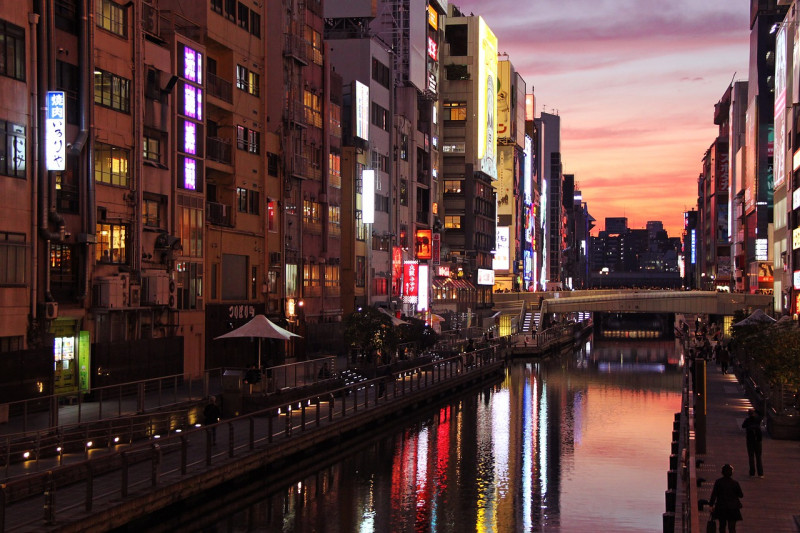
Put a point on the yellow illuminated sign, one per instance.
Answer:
(487, 98)
(433, 18)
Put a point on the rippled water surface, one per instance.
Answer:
(579, 443)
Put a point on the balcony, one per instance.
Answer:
(219, 150)
(295, 114)
(294, 47)
(220, 88)
(218, 214)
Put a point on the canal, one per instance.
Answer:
(576, 443)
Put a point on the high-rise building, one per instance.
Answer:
(469, 153)
(548, 149)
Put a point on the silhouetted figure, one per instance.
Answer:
(724, 501)
(752, 426)
(211, 415)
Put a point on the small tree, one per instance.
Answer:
(419, 333)
(369, 330)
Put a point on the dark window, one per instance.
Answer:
(456, 36)
(230, 9)
(272, 164)
(66, 12)
(247, 201)
(216, 6)
(380, 73)
(67, 80)
(12, 149)
(12, 51)
(456, 72)
(380, 116)
(12, 258)
(112, 91)
(244, 16)
(255, 24)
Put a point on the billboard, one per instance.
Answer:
(422, 243)
(502, 248)
(436, 248)
(368, 196)
(779, 159)
(505, 181)
(55, 129)
(504, 112)
(487, 99)
(527, 176)
(362, 111)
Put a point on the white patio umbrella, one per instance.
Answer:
(259, 327)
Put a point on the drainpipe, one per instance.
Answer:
(86, 181)
(33, 20)
(46, 73)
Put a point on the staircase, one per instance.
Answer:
(527, 321)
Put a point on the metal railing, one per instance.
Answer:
(184, 451)
(48, 412)
(222, 89)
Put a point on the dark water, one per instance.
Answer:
(579, 443)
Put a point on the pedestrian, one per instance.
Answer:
(211, 415)
(752, 427)
(724, 501)
(724, 359)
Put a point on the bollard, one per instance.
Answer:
(672, 479)
(50, 500)
(671, 497)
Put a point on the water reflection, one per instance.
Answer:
(574, 444)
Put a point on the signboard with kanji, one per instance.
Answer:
(55, 130)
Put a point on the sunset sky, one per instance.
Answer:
(635, 83)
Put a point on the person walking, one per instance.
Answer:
(724, 501)
(211, 415)
(752, 427)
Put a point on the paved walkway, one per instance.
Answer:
(769, 503)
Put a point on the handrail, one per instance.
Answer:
(275, 424)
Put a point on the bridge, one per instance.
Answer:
(635, 301)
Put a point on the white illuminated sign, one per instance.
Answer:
(368, 196)
(55, 131)
(422, 295)
(796, 279)
(485, 276)
(762, 249)
(362, 111)
(500, 261)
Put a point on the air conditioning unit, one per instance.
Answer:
(51, 310)
(172, 299)
(108, 292)
(155, 289)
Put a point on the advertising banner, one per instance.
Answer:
(779, 160)
(410, 280)
(362, 111)
(422, 292)
(485, 276)
(436, 248)
(487, 99)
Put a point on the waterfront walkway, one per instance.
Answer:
(122, 483)
(771, 503)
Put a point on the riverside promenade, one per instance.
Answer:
(770, 504)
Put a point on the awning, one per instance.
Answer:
(463, 284)
(441, 283)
